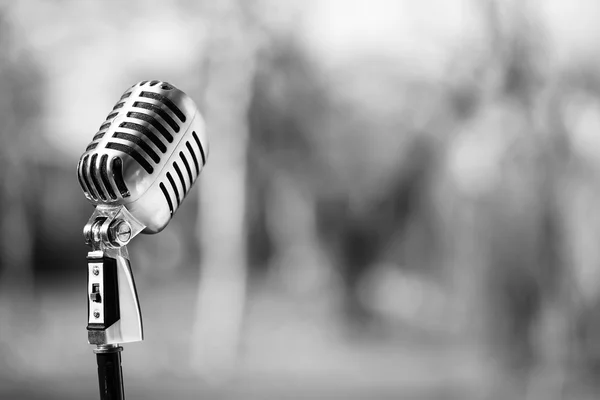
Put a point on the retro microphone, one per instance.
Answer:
(137, 170)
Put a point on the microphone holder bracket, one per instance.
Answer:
(114, 314)
(111, 227)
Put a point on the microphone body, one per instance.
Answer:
(136, 171)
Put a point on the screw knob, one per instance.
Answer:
(119, 232)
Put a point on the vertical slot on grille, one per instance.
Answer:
(104, 177)
(84, 169)
(80, 176)
(180, 175)
(189, 147)
(200, 147)
(187, 167)
(167, 197)
(172, 182)
(93, 175)
(117, 170)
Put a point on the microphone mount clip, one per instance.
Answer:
(114, 314)
(111, 227)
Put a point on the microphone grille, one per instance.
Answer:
(142, 129)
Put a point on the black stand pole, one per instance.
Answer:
(110, 375)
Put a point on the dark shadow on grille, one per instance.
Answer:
(80, 177)
(104, 126)
(167, 197)
(93, 175)
(189, 147)
(166, 101)
(143, 145)
(118, 105)
(98, 136)
(104, 177)
(166, 117)
(153, 83)
(84, 167)
(187, 167)
(152, 121)
(170, 178)
(180, 175)
(134, 154)
(200, 147)
(125, 95)
(117, 169)
(146, 132)
(111, 116)
(91, 146)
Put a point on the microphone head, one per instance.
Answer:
(147, 154)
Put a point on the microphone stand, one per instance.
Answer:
(114, 315)
(110, 374)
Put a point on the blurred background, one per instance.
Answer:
(400, 200)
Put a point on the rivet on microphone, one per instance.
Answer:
(96, 271)
(96, 314)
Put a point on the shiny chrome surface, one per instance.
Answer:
(102, 234)
(107, 348)
(147, 154)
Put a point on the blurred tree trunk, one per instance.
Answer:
(286, 113)
(19, 108)
(577, 194)
(231, 57)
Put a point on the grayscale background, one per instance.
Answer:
(401, 199)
